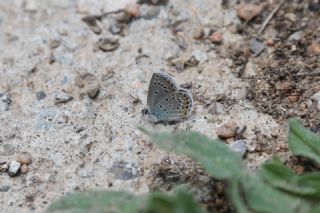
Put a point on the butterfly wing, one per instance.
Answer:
(160, 86)
(174, 107)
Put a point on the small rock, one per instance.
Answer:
(198, 33)
(153, 2)
(132, 9)
(116, 27)
(5, 188)
(92, 23)
(54, 43)
(108, 44)
(290, 17)
(23, 158)
(124, 170)
(269, 42)
(62, 98)
(256, 46)
(6, 100)
(227, 130)
(239, 147)
(250, 70)
(93, 90)
(216, 37)
(149, 12)
(24, 169)
(295, 36)
(248, 11)
(314, 48)
(4, 167)
(40, 95)
(14, 168)
(316, 97)
(52, 58)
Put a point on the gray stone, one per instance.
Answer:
(256, 46)
(149, 11)
(295, 36)
(124, 170)
(40, 95)
(62, 98)
(14, 168)
(93, 90)
(239, 147)
(5, 188)
(316, 97)
(108, 44)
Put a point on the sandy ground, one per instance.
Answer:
(93, 143)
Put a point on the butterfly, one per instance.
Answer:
(166, 101)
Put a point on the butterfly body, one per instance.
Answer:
(167, 102)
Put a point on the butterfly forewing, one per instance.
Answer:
(174, 107)
(160, 86)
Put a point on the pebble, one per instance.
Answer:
(316, 97)
(227, 130)
(216, 37)
(62, 98)
(132, 9)
(93, 90)
(295, 36)
(198, 33)
(124, 170)
(6, 100)
(23, 158)
(153, 2)
(5, 188)
(92, 23)
(24, 169)
(314, 48)
(149, 11)
(54, 43)
(239, 147)
(40, 95)
(256, 46)
(290, 17)
(250, 70)
(108, 44)
(248, 11)
(4, 167)
(14, 168)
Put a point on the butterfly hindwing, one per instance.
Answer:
(174, 107)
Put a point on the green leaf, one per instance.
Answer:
(218, 160)
(236, 196)
(181, 202)
(303, 142)
(279, 176)
(261, 197)
(98, 202)
(121, 202)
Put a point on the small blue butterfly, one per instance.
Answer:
(167, 102)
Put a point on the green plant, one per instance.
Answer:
(272, 188)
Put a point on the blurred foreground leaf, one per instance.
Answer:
(121, 202)
(303, 142)
(97, 202)
(218, 160)
(280, 176)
